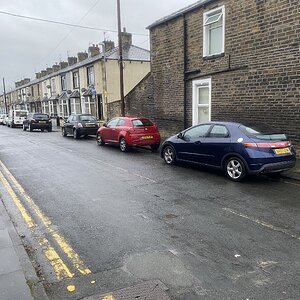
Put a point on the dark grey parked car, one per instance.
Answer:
(37, 121)
(78, 125)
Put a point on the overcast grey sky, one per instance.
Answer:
(29, 46)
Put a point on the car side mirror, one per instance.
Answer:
(180, 135)
(104, 124)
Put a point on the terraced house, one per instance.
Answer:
(224, 60)
(83, 84)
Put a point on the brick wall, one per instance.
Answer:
(258, 77)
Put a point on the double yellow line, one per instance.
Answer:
(60, 268)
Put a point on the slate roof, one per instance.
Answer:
(179, 13)
(130, 52)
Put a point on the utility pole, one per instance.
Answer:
(121, 60)
(4, 93)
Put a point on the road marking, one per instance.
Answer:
(123, 170)
(63, 244)
(292, 183)
(262, 223)
(60, 269)
(27, 218)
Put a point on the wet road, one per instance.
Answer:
(130, 218)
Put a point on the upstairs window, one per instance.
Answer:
(90, 75)
(75, 80)
(63, 82)
(214, 32)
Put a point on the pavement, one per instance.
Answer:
(293, 173)
(18, 279)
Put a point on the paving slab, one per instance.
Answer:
(13, 287)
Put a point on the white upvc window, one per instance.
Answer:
(201, 101)
(214, 32)
(75, 106)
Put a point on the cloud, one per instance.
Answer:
(28, 46)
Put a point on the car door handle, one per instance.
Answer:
(197, 143)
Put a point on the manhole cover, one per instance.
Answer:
(150, 290)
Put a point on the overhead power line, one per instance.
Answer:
(62, 23)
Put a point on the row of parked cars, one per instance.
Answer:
(237, 149)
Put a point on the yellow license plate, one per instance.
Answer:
(42, 122)
(283, 151)
(147, 137)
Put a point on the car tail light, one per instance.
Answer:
(131, 130)
(275, 145)
(79, 125)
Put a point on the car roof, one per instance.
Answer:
(224, 123)
(132, 117)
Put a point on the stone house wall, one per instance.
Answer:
(257, 77)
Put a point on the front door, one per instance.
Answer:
(201, 101)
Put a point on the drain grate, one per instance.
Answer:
(150, 290)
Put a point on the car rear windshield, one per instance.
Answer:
(87, 118)
(142, 122)
(40, 116)
(262, 132)
(21, 114)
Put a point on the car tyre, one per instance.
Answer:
(100, 141)
(42, 130)
(235, 169)
(154, 147)
(75, 134)
(169, 155)
(30, 128)
(63, 132)
(24, 127)
(49, 129)
(123, 145)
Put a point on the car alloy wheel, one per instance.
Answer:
(100, 141)
(235, 169)
(169, 155)
(123, 145)
(75, 134)
(63, 132)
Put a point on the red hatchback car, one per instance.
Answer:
(129, 132)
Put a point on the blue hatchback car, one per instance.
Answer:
(238, 149)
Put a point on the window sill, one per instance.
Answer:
(209, 57)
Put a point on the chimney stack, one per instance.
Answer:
(82, 56)
(25, 81)
(72, 60)
(63, 64)
(49, 71)
(55, 67)
(126, 38)
(17, 84)
(94, 50)
(108, 45)
(44, 73)
(38, 75)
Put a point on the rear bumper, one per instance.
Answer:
(87, 131)
(40, 126)
(137, 140)
(274, 167)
